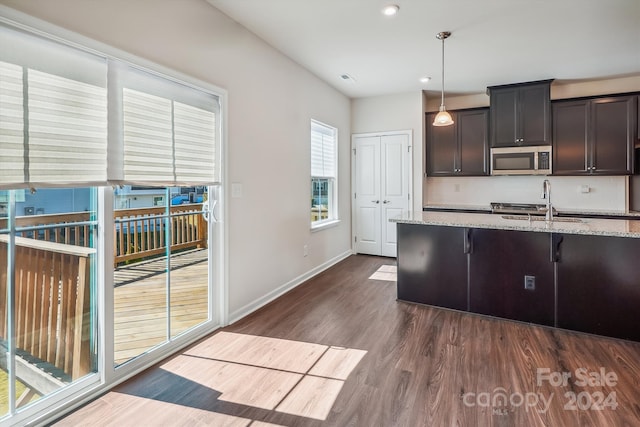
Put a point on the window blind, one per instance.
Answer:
(323, 150)
(194, 133)
(53, 113)
(62, 125)
(67, 131)
(11, 125)
(148, 152)
(169, 131)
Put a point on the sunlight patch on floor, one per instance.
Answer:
(388, 273)
(292, 377)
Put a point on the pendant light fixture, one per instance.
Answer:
(443, 118)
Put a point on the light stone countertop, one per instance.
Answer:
(586, 226)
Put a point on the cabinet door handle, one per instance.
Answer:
(468, 241)
(375, 201)
(386, 201)
(556, 240)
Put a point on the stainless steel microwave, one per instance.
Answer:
(535, 160)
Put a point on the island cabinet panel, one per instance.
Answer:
(432, 265)
(599, 285)
(498, 264)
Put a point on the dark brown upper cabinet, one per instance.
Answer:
(520, 114)
(461, 149)
(594, 136)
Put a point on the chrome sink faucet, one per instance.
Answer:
(546, 194)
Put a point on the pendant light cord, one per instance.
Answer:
(442, 97)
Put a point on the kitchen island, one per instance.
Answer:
(571, 273)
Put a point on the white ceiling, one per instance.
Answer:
(493, 41)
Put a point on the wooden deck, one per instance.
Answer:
(140, 304)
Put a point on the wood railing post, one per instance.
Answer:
(82, 322)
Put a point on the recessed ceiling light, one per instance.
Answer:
(390, 9)
(425, 79)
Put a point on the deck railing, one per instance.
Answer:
(58, 228)
(51, 311)
(138, 233)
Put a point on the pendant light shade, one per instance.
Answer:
(443, 118)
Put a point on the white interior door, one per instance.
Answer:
(394, 194)
(367, 195)
(382, 175)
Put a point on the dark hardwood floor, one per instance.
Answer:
(423, 366)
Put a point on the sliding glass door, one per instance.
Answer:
(48, 243)
(161, 266)
(86, 291)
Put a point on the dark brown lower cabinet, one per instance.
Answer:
(500, 263)
(583, 283)
(432, 265)
(599, 285)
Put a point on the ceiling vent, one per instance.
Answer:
(347, 78)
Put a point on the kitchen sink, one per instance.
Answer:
(541, 218)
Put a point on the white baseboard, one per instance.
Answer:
(281, 290)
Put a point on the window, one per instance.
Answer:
(323, 174)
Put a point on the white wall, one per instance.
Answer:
(390, 113)
(270, 103)
(606, 194)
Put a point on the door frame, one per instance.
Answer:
(354, 136)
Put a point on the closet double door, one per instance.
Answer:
(381, 190)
